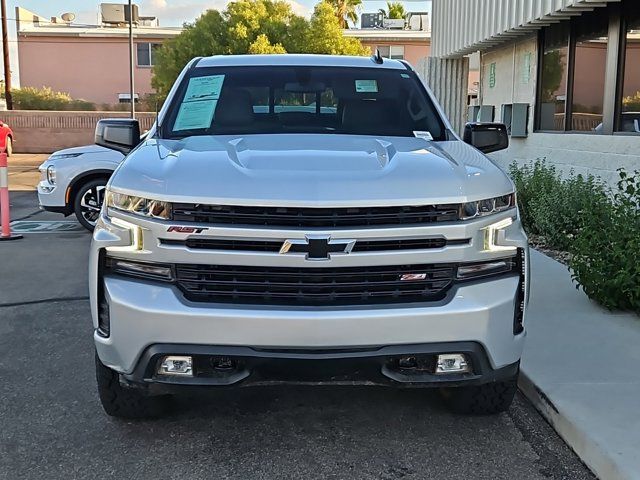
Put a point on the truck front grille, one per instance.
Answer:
(315, 286)
(274, 246)
(314, 217)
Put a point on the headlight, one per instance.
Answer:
(51, 174)
(60, 156)
(486, 207)
(140, 206)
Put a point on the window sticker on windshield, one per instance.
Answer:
(204, 88)
(423, 134)
(366, 86)
(199, 103)
(194, 115)
(404, 75)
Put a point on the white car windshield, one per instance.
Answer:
(307, 99)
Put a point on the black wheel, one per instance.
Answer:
(486, 399)
(9, 147)
(123, 402)
(88, 202)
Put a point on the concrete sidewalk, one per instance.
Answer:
(580, 369)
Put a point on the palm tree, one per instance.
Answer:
(346, 10)
(394, 10)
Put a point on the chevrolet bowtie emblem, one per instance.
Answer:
(317, 247)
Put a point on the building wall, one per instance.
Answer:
(413, 52)
(94, 69)
(599, 155)
(514, 82)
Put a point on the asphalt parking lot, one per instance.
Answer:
(52, 425)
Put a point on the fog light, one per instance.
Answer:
(452, 363)
(176, 365)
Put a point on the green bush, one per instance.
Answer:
(31, 98)
(604, 253)
(549, 204)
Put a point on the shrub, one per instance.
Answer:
(31, 98)
(604, 253)
(549, 204)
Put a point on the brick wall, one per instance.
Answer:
(45, 131)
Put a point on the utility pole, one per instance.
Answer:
(131, 79)
(5, 52)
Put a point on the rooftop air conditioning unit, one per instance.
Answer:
(371, 20)
(394, 23)
(419, 21)
(117, 13)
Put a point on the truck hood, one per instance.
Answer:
(309, 170)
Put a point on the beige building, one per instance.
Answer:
(88, 62)
(410, 45)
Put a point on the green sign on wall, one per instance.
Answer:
(492, 75)
(526, 68)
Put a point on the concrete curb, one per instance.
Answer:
(590, 452)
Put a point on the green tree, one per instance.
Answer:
(252, 26)
(394, 10)
(324, 35)
(346, 10)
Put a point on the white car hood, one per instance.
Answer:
(309, 170)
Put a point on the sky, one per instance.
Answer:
(172, 13)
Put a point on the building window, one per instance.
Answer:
(146, 53)
(553, 81)
(590, 64)
(391, 51)
(573, 73)
(629, 107)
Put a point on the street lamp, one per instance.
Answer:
(131, 78)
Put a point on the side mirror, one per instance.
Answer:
(486, 137)
(121, 134)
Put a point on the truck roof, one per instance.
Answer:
(297, 60)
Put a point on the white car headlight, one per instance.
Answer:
(51, 174)
(489, 206)
(144, 207)
(60, 156)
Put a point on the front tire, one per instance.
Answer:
(485, 399)
(88, 202)
(122, 402)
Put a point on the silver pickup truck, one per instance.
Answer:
(310, 219)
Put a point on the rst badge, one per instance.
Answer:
(179, 229)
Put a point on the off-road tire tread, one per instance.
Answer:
(122, 402)
(486, 399)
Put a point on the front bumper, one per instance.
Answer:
(52, 197)
(370, 366)
(143, 314)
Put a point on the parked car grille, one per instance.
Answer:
(314, 217)
(315, 286)
(274, 246)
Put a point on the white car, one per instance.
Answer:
(73, 180)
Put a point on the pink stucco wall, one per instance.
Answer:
(413, 52)
(94, 69)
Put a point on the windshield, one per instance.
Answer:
(268, 99)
